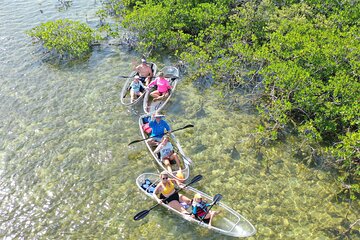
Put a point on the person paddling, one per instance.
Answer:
(168, 193)
(200, 210)
(158, 126)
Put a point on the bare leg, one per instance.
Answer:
(152, 142)
(211, 214)
(167, 164)
(132, 95)
(147, 81)
(185, 199)
(176, 205)
(175, 157)
(164, 95)
(155, 94)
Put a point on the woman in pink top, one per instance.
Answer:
(163, 87)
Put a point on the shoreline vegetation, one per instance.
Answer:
(296, 61)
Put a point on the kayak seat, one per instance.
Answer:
(148, 186)
(146, 119)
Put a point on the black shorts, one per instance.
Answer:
(172, 162)
(174, 196)
(142, 79)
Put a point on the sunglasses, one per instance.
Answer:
(164, 178)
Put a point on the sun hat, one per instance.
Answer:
(159, 115)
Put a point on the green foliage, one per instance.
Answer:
(65, 37)
(303, 54)
(171, 24)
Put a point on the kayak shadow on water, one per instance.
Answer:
(203, 83)
(200, 113)
(199, 148)
(234, 153)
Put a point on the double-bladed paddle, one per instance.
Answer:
(140, 140)
(143, 213)
(216, 199)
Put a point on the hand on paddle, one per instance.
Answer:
(216, 199)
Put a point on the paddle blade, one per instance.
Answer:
(136, 141)
(187, 126)
(217, 198)
(141, 215)
(195, 179)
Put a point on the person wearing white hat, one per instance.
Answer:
(135, 87)
(144, 71)
(158, 126)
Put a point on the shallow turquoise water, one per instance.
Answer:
(67, 172)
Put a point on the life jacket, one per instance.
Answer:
(201, 209)
(147, 129)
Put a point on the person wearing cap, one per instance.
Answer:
(158, 126)
(200, 210)
(168, 193)
(163, 87)
(135, 88)
(145, 72)
(167, 154)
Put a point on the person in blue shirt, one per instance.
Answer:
(158, 126)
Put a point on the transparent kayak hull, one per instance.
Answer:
(125, 97)
(228, 222)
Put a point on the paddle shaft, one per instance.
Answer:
(217, 198)
(159, 135)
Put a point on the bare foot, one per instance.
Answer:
(217, 212)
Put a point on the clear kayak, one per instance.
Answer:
(228, 222)
(125, 92)
(172, 75)
(184, 160)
